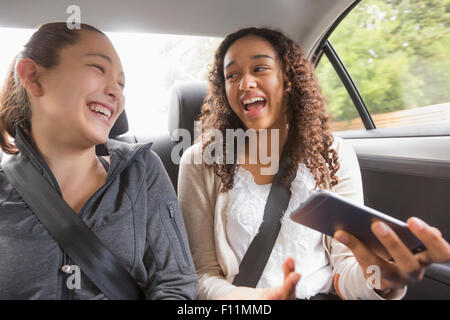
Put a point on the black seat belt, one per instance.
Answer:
(258, 253)
(71, 233)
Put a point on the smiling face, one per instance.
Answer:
(82, 96)
(254, 83)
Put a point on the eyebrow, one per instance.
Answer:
(100, 55)
(104, 56)
(258, 56)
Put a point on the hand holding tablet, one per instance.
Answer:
(327, 213)
(401, 250)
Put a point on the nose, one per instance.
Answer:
(247, 82)
(113, 91)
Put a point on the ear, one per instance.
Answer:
(28, 72)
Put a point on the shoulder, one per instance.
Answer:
(153, 166)
(191, 164)
(150, 158)
(136, 160)
(349, 173)
(346, 153)
(342, 146)
(154, 175)
(194, 171)
(192, 155)
(128, 153)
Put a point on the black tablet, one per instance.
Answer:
(327, 212)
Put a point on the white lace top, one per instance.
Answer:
(244, 216)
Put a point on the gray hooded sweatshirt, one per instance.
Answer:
(135, 214)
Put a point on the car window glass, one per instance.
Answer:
(397, 53)
(342, 111)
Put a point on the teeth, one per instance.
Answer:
(100, 109)
(252, 100)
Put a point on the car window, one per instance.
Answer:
(342, 111)
(152, 64)
(396, 52)
(13, 40)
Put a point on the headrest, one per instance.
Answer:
(185, 102)
(120, 126)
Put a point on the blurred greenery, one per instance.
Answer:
(397, 53)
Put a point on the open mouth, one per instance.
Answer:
(254, 106)
(101, 111)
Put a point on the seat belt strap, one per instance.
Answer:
(258, 253)
(71, 233)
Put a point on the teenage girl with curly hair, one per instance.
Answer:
(262, 80)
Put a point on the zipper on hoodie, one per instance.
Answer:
(177, 231)
(109, 179)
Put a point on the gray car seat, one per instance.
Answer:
(185, 103)
(117, 132)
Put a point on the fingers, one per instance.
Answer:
(290, 282)
(288, 266)
(364, 256)
(438, 249)
(290, 279)
(408, 264)
(391, 278)
(287, 290)
(284, 292)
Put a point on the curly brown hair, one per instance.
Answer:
(309, 139)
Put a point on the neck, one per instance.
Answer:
(66, 161)
(270, 144)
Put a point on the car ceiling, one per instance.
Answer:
(306, 21)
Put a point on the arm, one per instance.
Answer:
(167, 256)
(348, 277)
(198, 214)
